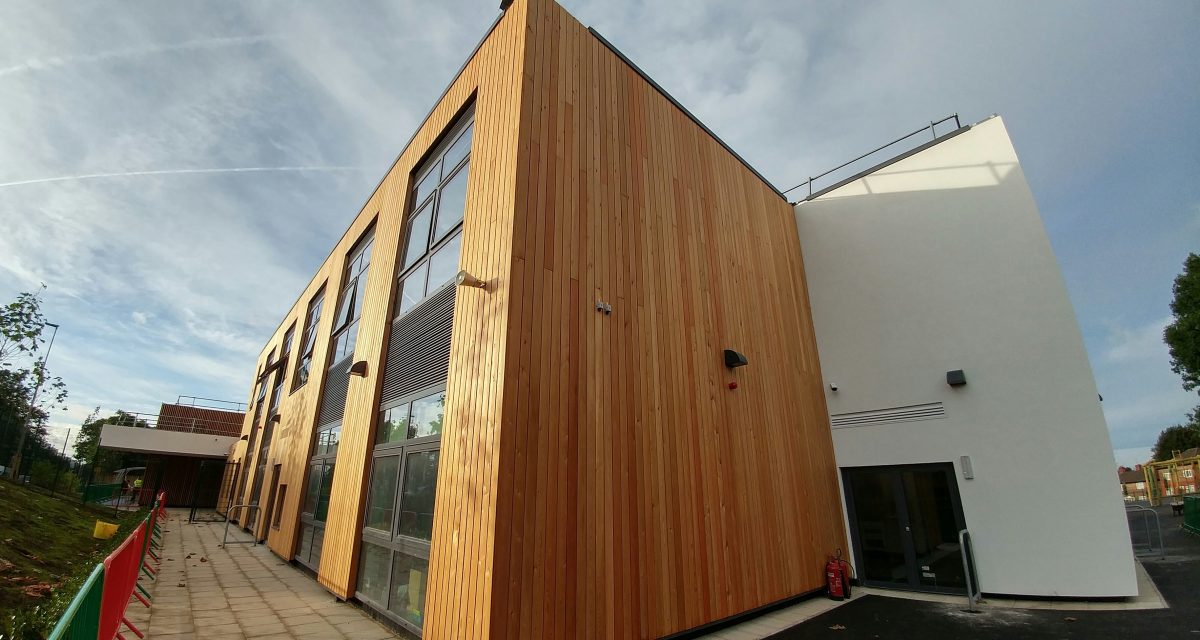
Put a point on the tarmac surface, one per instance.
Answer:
(1177, 576)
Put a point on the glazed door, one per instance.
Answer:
(904, 523)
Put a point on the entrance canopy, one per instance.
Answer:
(159, 441)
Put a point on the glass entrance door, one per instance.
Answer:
(904, 523)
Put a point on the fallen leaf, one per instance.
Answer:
(838, 627)
(203, 559)
(1070, 619)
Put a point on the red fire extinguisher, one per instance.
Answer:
(837, 577)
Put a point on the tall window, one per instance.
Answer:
(345, 325)
(394, 565)
(286, 353)
(433, 237)
(309, 340)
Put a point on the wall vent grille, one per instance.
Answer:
(891, 415)
(333, 399)
(419, 349)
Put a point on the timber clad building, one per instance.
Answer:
(556, 447)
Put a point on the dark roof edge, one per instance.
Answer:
(890, 161)
(689, 114)
(391, 166)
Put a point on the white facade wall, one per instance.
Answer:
(175, 443)
(939, 261)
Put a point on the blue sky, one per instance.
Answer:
(168, 280)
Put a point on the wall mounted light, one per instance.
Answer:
(733, 359)
(967, 470)
(833, 386)
(464, 279)
(358, 369)
(276, 418)
(956, 378)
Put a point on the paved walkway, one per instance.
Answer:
(205, 591)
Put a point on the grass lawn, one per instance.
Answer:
(47, 543)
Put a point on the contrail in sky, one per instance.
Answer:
(51, 62)
(172, 172)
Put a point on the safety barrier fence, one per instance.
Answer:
(1191, 514)
(98, 610)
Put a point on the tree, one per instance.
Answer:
(1183, 334)
(87, 443)
(1178, 438)
(27, 391)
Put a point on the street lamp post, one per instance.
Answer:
(16, 457)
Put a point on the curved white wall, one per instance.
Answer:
(940, 261)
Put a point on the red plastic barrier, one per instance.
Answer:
(120, 577)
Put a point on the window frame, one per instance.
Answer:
(390, 540)
(465, 123)
(352, 293)
(308, 342)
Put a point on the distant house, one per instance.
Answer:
(1133, 483)
(1177, 476)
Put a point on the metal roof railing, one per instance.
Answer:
(188, 424)
(931, 127)
(219, 405)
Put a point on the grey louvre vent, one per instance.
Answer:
(891, 415)
(337, 384)
(419, 349)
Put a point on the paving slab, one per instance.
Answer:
(240, 592)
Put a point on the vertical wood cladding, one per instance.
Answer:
(597, 477)
(638, 495)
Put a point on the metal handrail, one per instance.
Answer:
(238, 406)
(932, 127)
(1135, 508)
(974, 591)
(225, 538)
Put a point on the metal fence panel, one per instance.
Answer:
(81, 620)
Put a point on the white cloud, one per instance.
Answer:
(169, 284)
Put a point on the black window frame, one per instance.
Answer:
(350, 299)
(391, 540)
(308, 344)
(464, 125)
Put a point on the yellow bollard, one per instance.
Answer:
(104, 530)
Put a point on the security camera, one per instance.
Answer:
(833, 386)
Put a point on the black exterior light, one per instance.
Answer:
(733, 359)
(956, 378)
(275, 418)
(358, 369)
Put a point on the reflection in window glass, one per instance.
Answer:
(412, 289)
(420, 489)
(306, 538)
(451, 203)
(331, 441)
(427, 184)
(373, 572)
(459, 149)
(393, 427)
(408, 587)
(443, 266)
(382, 493)
(427, 416)
(418, 235)
(314, 487)
(322, 509)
